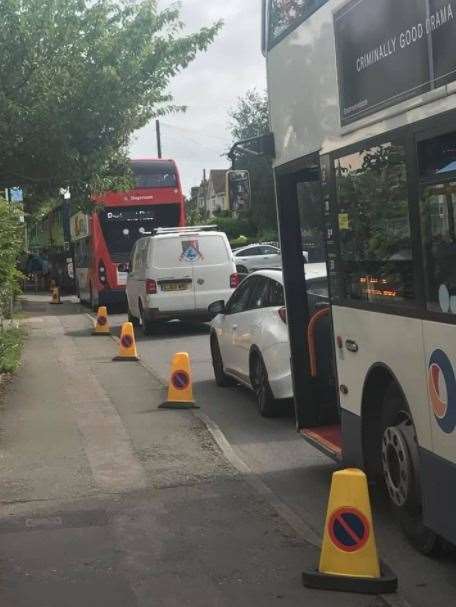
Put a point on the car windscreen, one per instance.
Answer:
(154, 174)
(123, 226)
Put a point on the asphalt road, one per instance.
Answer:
(291, 468)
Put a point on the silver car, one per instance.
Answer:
(257, 257)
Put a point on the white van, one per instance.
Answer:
(178, 273)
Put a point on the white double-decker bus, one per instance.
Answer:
(363, 111)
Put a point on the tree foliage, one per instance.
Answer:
(250, 118)
(11, 243)
(78, 78)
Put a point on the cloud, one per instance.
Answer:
(209, 87)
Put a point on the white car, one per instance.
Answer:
(249, 335)
(177, 273)
(259, 256)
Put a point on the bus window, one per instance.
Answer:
(160, 174)
(285, 15)
(437, 157)
(309, 205)
(374, 226)
(438, 216)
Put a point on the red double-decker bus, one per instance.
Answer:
(103, 240)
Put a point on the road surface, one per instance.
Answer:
(297, 474)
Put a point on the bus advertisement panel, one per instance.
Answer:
(362, 99)
(103, 241)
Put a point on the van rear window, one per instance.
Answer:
(188, 251)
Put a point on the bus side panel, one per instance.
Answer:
(439, 482)
(376, 336)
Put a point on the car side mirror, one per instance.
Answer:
(216, 308)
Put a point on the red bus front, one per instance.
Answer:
(102, 256)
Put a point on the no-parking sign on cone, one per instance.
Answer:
(180, 391)
(349, 560)
(102, 326)
(127, 350)
(55, 296)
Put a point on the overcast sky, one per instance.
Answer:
(209, 87)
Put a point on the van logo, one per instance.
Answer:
(442, 390)
(190, 251)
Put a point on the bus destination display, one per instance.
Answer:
(391, 51)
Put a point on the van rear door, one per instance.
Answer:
(212, 269)
(173, 273)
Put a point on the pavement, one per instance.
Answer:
(107, 500)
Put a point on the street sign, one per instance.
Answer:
(348, 529)
(180, 380)
(16, 195)
(238, 190)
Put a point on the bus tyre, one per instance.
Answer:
(146, 324)
(221, 379)
(267, 405)
(400, 467)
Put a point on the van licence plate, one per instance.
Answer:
(175, 286)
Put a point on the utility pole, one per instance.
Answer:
(205, 190)
(159, 145)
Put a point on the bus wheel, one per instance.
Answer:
(400, 466)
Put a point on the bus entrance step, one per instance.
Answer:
(326, 438)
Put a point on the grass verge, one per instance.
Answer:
(11, 342)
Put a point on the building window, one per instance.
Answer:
(374, 226)
(286, 15)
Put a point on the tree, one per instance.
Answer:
(78, 78)
(250, 118)
(11, 243)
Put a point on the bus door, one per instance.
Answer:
(312, 362)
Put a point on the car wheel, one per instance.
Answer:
(267, 405)
(134, 321)
(221, 379)
(242, 270)
(146, 325)
(400, 467)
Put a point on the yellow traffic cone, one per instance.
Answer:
(55, 299)
(349, 560)
(180, 391)
(127, 351)
(102, 326)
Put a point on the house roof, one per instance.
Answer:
(217, 178)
